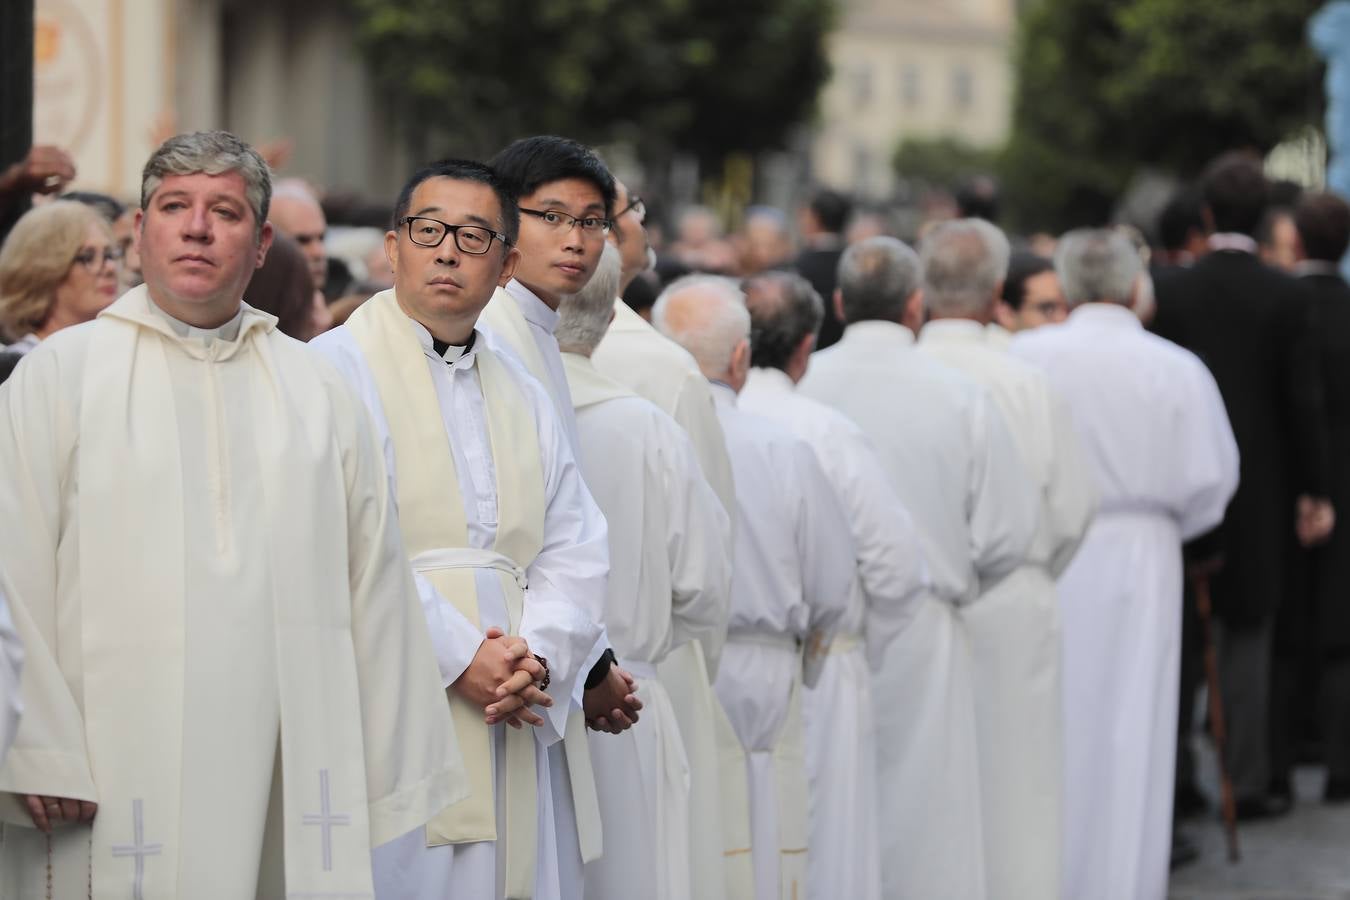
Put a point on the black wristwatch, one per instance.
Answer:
(601, 668)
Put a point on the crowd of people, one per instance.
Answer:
(518, 552)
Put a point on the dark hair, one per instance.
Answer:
(9, 359)
(110, 208)
(463, 170)
(1323, 223)
(977, 198)
(1235, 192)
(641, 292)
(831, 210)
(528, 163)
(283, 287)
(1022, 267)
(779, 320)
(1183, 215)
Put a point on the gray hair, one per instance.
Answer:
(211, 153)
(584, 317)
(876, 277)
(1097, 265)
(710, 326)
(963, 263)
(784, 309)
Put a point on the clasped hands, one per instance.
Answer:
(503, 679)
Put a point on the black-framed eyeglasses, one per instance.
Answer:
(636, 206)
(474, 240)
(564, 222)
(94, 259)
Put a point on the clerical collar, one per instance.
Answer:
(449, 352)
(1233, 240)
(535, 310)
(227, 332)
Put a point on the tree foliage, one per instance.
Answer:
(943, 162)
(706, 76)
(1105, 87)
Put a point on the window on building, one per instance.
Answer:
(963, 88)
(862, 86)
(910, 86)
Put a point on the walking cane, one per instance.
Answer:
(1200, 580)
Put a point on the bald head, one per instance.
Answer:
(706, 315)
(296, 212)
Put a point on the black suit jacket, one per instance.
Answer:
(1254, 327)
(1321, 616)
(821, 268)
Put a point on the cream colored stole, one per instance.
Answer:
(504, 317)
(431, 516)
(133, 601)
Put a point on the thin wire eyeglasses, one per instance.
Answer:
(637, 206)
(474, 240)
(564, 222)
(94, 259)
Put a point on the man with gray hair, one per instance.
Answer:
(890, 580)
(296, 212)
(1014, 629)
(794, 563)
(950, 459)
(669, 583)
(223, 635)
(1161, 450)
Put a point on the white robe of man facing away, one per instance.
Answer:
(669, 583)
(953, 464)
(1160, 446)
(889, 582)
(1015, 628)
(210, 586)
(639, 357)
(793, 566)
(669, 577)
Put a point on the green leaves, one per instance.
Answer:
(1106, 87)
(707, 76)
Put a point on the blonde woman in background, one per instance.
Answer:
(58, 267)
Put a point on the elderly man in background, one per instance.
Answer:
(1165, 463)
(634, 354)
(889, 582)
(669, 583)
(296, 213)
(794, 564)
(956, 468)
(1014, 629)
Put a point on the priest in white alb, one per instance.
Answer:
(955, 467)
(494, 513)
(634, 354)
(794, 564)
(229, 689)
(1162, 453)
(669, 583)
(1015, 627)
(890, 580)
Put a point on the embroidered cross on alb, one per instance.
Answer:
(326, 819)
(139, 850)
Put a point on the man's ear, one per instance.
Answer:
(837, 301)
(265, 244)
(509, 266)
(740, 358)
(913, 311)
(391, 250)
